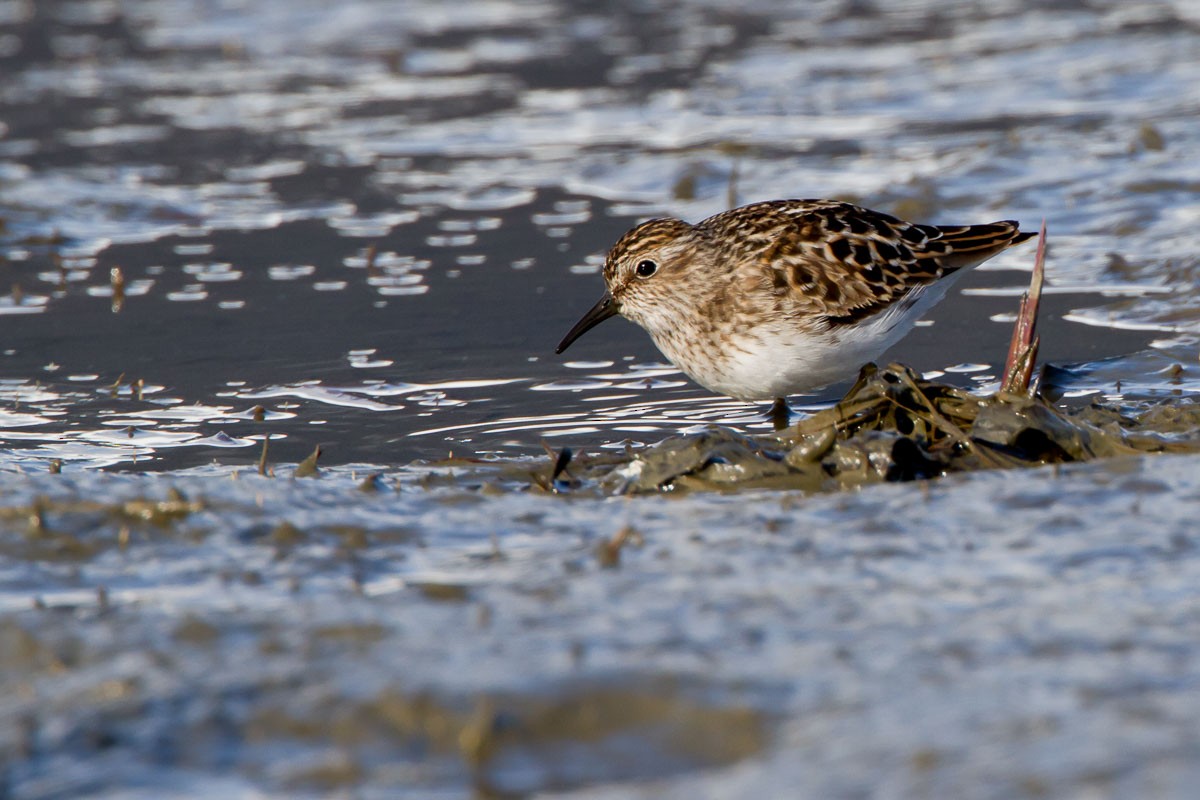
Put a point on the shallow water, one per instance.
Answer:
(365, 228)
(238, 163)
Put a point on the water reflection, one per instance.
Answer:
(86, 422)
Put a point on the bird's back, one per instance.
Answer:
(834, 263)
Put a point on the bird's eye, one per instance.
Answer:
(645, 268)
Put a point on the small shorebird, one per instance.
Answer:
(786, 296)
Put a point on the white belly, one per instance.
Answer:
(777, 360)
(762, 367)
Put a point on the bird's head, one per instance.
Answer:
(645, 277)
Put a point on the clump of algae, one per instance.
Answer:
(894, 425)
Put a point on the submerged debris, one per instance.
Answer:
(608, 552)
(263, 469)
(159, 512)
(117, 287)
(308, 467)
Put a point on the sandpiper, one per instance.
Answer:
(786, 296)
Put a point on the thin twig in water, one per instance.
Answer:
(1022, 351)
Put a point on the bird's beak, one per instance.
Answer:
(607, 307)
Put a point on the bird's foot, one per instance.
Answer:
(780, 415)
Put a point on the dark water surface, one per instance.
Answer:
(365, 225)
(240, 166)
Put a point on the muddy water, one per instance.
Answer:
(366, 227)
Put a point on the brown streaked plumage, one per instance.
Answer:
(780, 297)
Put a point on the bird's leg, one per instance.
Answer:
(780, 415)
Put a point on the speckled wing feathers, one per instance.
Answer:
(839, 263)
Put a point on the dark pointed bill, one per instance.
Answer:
(607, 307)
